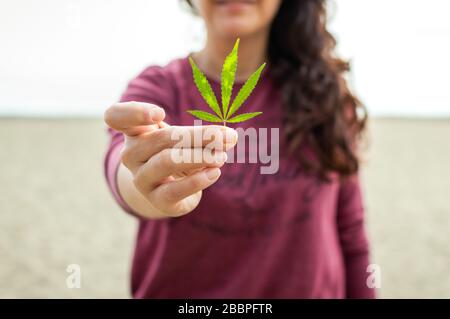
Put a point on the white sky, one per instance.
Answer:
(74, 57)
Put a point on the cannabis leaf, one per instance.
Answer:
(228, 76)
(246, 89)
(205, 88)
(205, 116)
(243, 117)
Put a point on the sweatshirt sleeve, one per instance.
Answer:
(353, 238)
(154, 86)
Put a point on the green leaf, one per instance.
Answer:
(245, 91)
(227, 81)
(205, 88)
(228, 76)
(205, 116)
(243, 117)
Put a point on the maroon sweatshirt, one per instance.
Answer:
(285, 235)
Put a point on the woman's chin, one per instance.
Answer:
(237, 29)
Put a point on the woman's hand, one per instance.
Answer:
(161, 176)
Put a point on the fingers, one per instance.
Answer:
(170, 162)
(133, 118)
(172, 193)
(140, 149)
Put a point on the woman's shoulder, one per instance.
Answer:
(158, 84)
(173, 72)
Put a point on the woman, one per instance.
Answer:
(223, 230)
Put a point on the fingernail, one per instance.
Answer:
(156, 114)
(212, 173)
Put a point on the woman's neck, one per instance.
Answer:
(252, 53)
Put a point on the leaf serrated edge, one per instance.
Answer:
(205, 116)
(245, 91)
(243, 117)
(204, 88)
(227, 90)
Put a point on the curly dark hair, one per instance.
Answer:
(320, 111)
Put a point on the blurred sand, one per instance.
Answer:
(55, 210)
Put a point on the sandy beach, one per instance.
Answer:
(56, 210)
